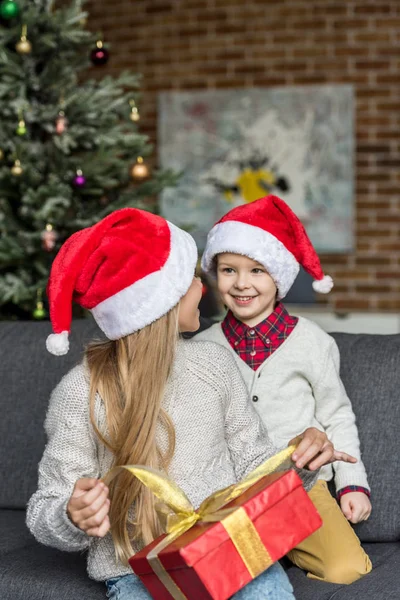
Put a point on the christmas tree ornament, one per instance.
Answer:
(99, 55)
(79, 179)
(9, 9)
(134, 116)
(139, 170)
(1, 154)
(39, 313)
(49, 238)
(21, 129)
(61, 123)
(16, 169)
(24, 46)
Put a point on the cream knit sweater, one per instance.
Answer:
(219, 439)
(299, 386)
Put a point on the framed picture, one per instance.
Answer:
(234, 146)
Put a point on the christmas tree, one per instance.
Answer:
(70, 150)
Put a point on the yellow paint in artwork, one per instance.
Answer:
(228, 195)
(249, 183)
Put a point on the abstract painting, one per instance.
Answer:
(232, 147)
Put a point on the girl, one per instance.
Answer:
(142, 397)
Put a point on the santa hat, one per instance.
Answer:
(129, 270)
(269, 232)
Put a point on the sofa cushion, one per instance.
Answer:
(370, 369)
(14, 533)
(37, 572)
(28, 373)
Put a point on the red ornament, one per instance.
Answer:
(61, 123)
(49, 237)
(99, 55)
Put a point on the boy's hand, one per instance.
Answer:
(89, 505)
(356, 506)
(314, 450)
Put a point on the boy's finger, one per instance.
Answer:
(307, 454)
(302, 447)
(322, 459)
(344, 457)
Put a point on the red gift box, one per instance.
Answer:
(205, 563)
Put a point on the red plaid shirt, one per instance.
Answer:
(255, 344)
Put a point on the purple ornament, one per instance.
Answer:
(79, 179)
(99, 55)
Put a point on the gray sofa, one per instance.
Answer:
(29, 571)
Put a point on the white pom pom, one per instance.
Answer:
(324, 285)
(57, 343)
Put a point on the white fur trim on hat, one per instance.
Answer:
(324, 285)
(256, 243)
(57, 343)
(153, 296)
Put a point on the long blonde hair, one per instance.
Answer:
(130, 375)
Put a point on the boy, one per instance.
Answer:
(291, 367)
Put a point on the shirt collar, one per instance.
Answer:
(236, 330)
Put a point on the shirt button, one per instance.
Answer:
(253, 353)
(267, 341)
(252, 332)
(255, 398)
(236, 343)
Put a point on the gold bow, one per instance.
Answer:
(183, 516)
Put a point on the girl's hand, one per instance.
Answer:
(88, 507)
(315, 450)
(355, 506)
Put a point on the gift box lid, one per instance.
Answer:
(203, 538)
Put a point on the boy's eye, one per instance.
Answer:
(257, 270)
(227, 270)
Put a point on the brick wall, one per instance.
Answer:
(191, 44)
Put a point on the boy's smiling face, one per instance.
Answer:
(245, 287)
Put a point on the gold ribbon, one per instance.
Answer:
(183, 516)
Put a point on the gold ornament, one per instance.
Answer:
(1, 154)
(23, 46)
(134, 116)
(139, 170)
(17, 169)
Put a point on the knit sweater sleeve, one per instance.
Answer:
(247, 437)
(334, 411)
(70, 454)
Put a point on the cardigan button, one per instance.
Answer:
(255, 398)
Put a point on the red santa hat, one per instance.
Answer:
(269, 232)
(129, 270)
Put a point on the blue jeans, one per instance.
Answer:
(273, 584)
